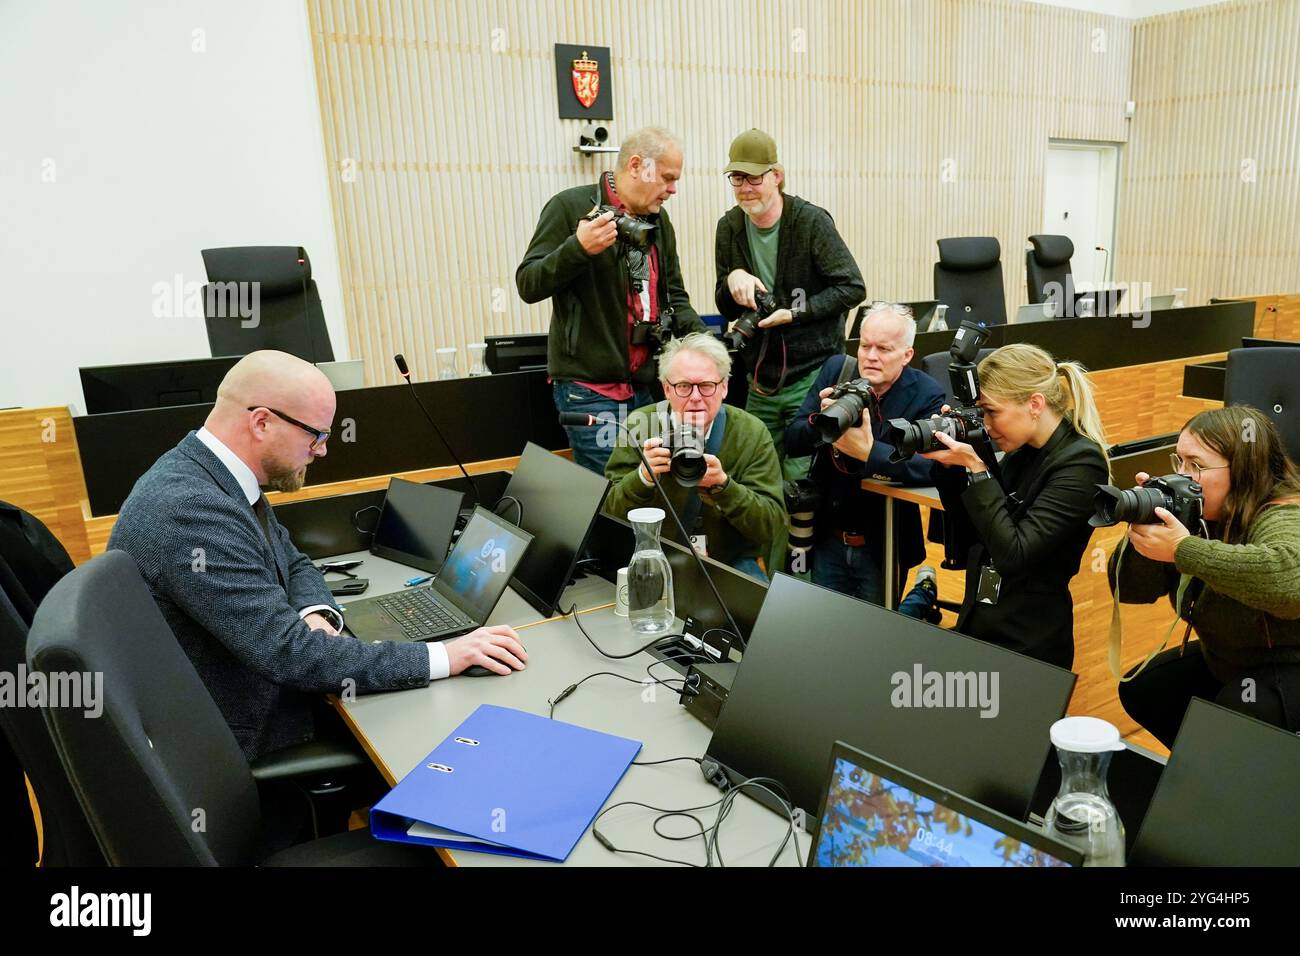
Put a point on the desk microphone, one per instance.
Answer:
(585, 420)
(1105, 268)
(406, 374)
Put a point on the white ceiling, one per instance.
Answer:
(1132, 9)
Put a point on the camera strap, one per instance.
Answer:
(1116, 633)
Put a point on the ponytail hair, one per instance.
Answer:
(1019, 370)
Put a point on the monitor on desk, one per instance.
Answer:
(515, 353)
(1227, 796)
(556, 502)
(416, 524)
(127, 388)
(821, 666)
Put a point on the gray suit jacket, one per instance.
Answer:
(201, 550)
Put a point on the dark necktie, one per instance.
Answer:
(263, 511)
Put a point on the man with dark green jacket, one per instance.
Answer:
(615, 302)
(737, 512)
(777, 243)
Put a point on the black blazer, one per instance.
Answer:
(1035, 544)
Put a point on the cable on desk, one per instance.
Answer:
(572, 687)
(519, 508)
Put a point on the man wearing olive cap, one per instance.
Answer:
(777, 243)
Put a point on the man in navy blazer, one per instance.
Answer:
(250, 610)
(848, 548)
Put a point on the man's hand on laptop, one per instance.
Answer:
(497, 648)
(319, 622)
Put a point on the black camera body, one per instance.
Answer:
(632, 230)
(965, 421)
(653, 334)
(850, 401)
(746, 327)
(1177, 494)
(686, 445)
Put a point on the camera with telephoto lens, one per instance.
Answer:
(850, 401)
(746, 326)
(635, 232)
(1177, 494)
(686, 445)
(965, 421)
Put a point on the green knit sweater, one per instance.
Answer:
(1249, 611)
(741, 521)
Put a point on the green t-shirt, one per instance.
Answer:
(762, 250)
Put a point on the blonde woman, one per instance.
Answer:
(1028, 532)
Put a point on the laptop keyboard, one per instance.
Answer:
(420, 615)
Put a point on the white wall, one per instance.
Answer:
(158, 151)
(1132, 9)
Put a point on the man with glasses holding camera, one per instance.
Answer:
(716, 463)
(606, 257)
(249, 609)
(787, 280)
(848, 524)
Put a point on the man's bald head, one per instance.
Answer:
(276, 450)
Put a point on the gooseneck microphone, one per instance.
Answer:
(585, 420)
(406, 374)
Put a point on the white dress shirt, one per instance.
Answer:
(439, 664)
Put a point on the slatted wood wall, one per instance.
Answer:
(1210, 198)
(909, 120)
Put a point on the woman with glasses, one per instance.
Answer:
(1236, 581)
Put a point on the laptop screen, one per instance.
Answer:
(416, 523)
(877, 815)
(480, 565)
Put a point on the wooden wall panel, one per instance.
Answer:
(1210, 195)
(40, 470)
(910, 120)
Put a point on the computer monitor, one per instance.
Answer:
(515, 353)
(821, 666)
(126, 388)
(556, 502)
(922, 313)
(875, 814)
(416, 524)
(1154, 303)
(344, 375)
(1227, 797)
(1037, 312)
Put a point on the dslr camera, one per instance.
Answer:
(1177, 494)
(850, 401)
(635, 232)
(746, 326)
(964, 422)
(686, 445)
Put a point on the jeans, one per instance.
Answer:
(592, 446)
(750, 566)
(777, 411)
(851, 570)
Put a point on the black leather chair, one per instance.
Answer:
(1046, 263)
(32, 561)
(159, 774)
(1266, 379)
(289, 316)
(968, 279)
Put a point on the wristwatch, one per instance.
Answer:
(976, 476)
(717, 489)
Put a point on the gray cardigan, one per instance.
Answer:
(201, 550)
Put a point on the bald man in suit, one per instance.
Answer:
(250, 610)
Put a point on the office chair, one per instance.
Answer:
(1265, 378)
(286, 302)
(1049, 262)
(968, 279)
(159, 774)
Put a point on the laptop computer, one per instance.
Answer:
(416, 524)
(461, 596)
(875, 814)
(344, 375)
(1154, 303)
(1038, 312)
(1226, 797)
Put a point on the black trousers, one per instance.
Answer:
(1158, 697)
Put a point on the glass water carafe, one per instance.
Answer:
(1082, 814)
(649, 578)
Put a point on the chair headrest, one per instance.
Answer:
(275, 267)
(1052, 250)
(969, 253)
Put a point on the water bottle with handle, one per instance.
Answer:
(649, 578)
(1082, 814)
